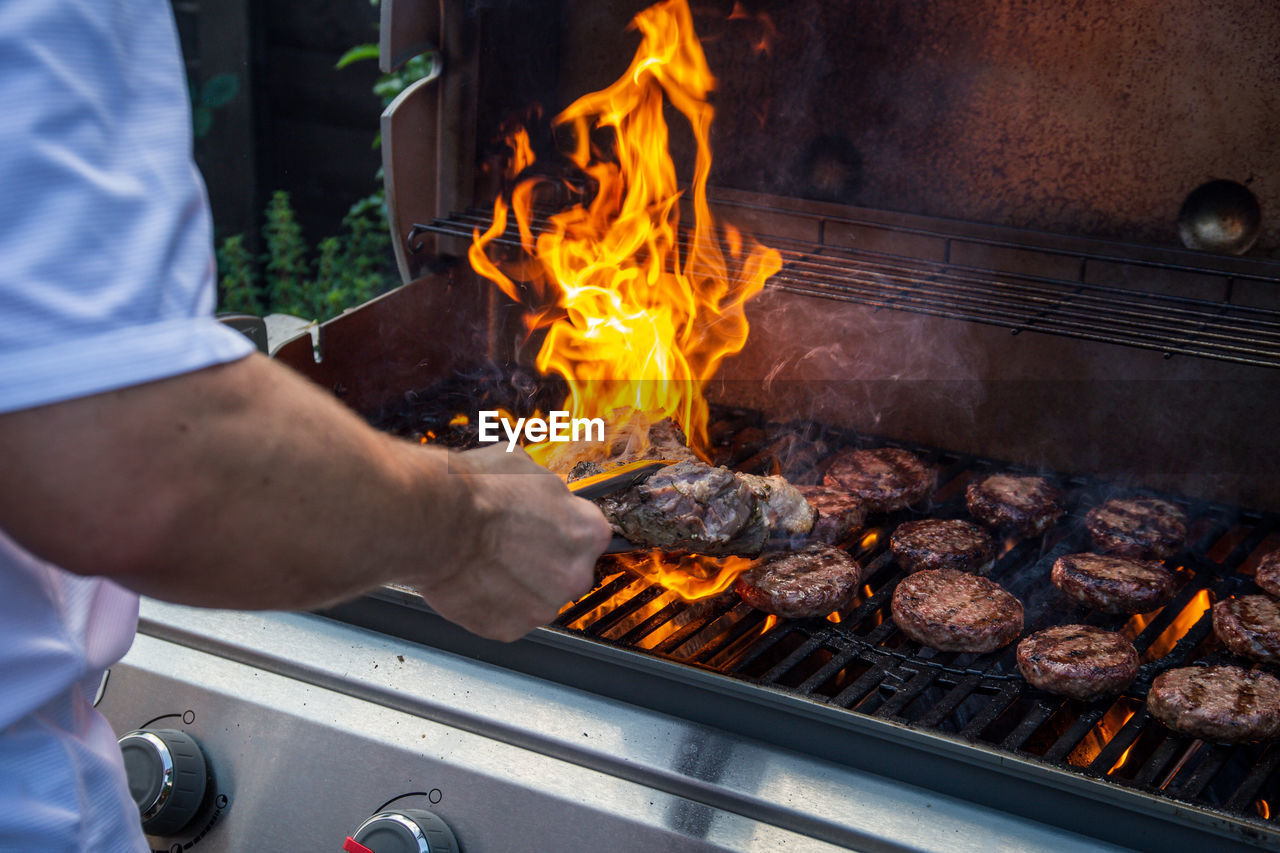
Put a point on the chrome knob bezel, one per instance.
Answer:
(166, 767)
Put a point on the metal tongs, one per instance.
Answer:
(613, 481)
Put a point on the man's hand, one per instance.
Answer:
(533, 546)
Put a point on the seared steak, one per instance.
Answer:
(1079, 661)
(935, 543)
(839, 513)
(956, 611)
(1223, 703)
(1268, 576)
(1027, 505)
(1249, 625)
(691, 506)
(1113, 584)
(1140, 527)
(785, 510)
(812, 581)
(886, 478)
(666, 441)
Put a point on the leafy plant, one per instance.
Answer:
(285, 261)
(239, 282)
(346, 270)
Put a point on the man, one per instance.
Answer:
(145, 449)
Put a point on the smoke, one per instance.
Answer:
(833, 361)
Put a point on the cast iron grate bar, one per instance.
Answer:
(653, 623)
(1248, 790)
(748, 623)
(1191, 787)
(1159, 760)
(1039, 714)
(1110, 754)
(997, 706)
(595, 599)
(622, 611)
(1074, 734)
(894, 707)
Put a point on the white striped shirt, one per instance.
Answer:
(106, 281)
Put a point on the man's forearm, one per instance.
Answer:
(241, 485)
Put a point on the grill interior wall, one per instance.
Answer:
(1073, 117)
(1184, 425)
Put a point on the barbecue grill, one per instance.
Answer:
(1116, 368)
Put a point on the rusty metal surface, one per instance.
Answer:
(1085, 118)
(405, 340)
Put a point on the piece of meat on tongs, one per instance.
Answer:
(695, 507)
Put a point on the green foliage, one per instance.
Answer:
(218, 91)
(357, 53)
(285, 262)
(238, 282)
(391, 85)
(347, 269)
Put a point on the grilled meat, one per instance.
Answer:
(1113, 584)
(785, 510)
(1224, 703)
(839, 513)
(1079, 661)
(691, 506)
(934, 543)
(812, 581)
(1268, 576)
(1249, 625)
(956, 611)
(886, 478)
(1026, 505)
(666, 441)
(1148, 528)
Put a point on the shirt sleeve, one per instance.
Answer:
(106, 261)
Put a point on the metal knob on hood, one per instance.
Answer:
(1220, 216)
(402, 831)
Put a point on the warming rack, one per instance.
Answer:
(1167, 323)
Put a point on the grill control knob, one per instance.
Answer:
(167, 777)
(403, 831)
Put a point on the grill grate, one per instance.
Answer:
(864, 665)
(1171, 325)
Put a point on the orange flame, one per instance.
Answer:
(636, 321)
(690, 576)
(1177, 629)
(1263, 808)
(1101, 734)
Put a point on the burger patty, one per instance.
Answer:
(1113, 584)
(1224, 703)
(885, 478)
(812, 581)
(839, 513)
(1268, 576)
(1249, 625)
(1028, 505)
(1139, 527)
(1079, 661)
(956, 611)
(935, 543)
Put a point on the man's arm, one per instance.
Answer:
(244, 485)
